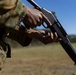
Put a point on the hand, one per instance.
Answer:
(43, 36)
(34, 18)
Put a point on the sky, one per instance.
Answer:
(65, 12)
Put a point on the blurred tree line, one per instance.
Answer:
(72, 38)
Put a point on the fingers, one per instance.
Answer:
(39, 20)
(35, 18)
(45, 19)
(50, 38)
(44, 36)
(55, 37)
(42, 18)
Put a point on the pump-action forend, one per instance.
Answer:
(57, 27)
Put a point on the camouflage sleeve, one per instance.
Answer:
(20, 36)
(11, 18)
(7, 4)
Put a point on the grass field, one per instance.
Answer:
(39, 60)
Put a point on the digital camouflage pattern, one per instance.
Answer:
(17, 10)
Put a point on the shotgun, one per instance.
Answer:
(57, 27)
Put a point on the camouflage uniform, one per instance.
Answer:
(16, 10)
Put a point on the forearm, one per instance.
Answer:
(44, 37)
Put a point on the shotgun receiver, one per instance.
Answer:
(57, 27)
